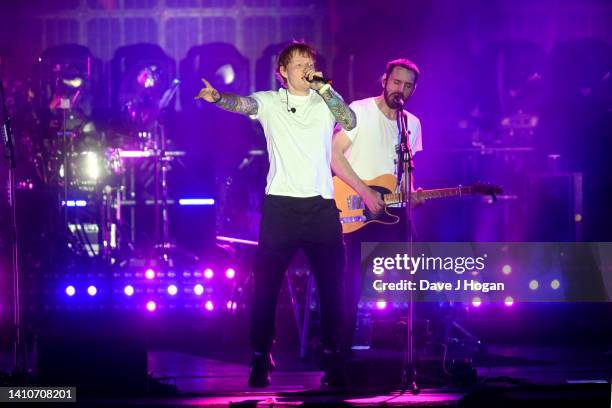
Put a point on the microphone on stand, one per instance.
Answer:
(398, 101)
(168, 94)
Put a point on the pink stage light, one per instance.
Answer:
(476, 302)
(509, 301)
(230, 273)
(209, 305)
(208, 273)
(198, 289)
(172, 290)
(150, 274)
(151, 306)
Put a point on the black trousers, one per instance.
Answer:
(354, 276)
(288, 224)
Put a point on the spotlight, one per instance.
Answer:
(151, 306)
(533, 285)
(209, 305)
(230, 273)
(208, 273)
(70, 290)
(172, 290)
(555, 284)
(128, 290)
(476, 302)
(198, 289)
(507, 269)
(150, 274)
(92, 290)
(509, 301)
(91, 166)
(381, 304)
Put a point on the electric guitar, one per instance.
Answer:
(355, 215)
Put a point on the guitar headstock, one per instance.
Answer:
(486, 189)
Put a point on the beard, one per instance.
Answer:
(390, 99)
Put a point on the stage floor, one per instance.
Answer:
(515, 375)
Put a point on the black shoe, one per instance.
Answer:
(333, 380)
(261, 367)
(333, 365)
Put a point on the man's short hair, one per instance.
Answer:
(284, 58)
(404, 63)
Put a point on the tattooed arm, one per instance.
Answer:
(238, 104)
(342, 112)
(227, 101)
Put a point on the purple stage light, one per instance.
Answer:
(381, 304)
(508, 301)
(230, 273)
(128, 290)
(507, 269)
(209, 305)
(208, 273)
(172, 290)
(198, 289)
(476, 302)
(150, 274)
(533, 284)
(151, 306)
(196, 201)
(555, 284)
(92, 290)
(70, 290)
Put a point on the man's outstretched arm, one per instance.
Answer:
(227, 101)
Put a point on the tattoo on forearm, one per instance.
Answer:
(239, 104)
(341, 111)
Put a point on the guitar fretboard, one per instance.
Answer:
(394, 198)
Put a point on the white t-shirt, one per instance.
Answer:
(299, 144)
(372, 152)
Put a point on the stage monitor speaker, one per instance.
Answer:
(97, 363)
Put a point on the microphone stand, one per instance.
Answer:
(405, 169)
(19, 360)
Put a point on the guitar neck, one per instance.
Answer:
(395, 198)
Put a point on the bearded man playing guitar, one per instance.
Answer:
(365, 153)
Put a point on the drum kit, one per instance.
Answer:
(92, 172)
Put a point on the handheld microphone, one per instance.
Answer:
(317, 78)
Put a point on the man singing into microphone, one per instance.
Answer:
(298, 210)
(369, 151)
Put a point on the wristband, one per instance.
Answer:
(324, 89)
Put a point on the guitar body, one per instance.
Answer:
(353, 212)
